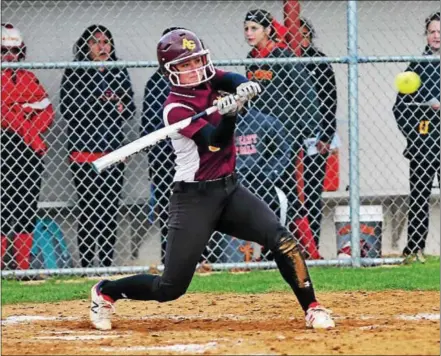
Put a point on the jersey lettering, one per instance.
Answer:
(260, 74)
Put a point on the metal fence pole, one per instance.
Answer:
(354, 185)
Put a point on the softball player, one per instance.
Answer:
(206, 193)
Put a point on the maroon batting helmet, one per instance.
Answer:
(178, 46)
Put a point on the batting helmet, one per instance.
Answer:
(177, 47)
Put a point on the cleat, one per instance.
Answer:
(412, 257)
(318, 317)
(101, 309)
(409, 259)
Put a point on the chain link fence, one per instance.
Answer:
(117, 221)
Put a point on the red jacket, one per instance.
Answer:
(26, 109)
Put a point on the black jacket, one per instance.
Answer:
(93, 124)
(261, 145)
(156, 92)
(420, 125)
(288, 94)
(326, 87)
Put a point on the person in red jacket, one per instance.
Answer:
(26, 113)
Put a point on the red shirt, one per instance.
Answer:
(26, 109)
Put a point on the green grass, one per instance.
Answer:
(326, 279)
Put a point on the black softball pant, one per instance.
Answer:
(313, 177)
(21, 172)
(196, 211)
(98, 196)
(422, 173)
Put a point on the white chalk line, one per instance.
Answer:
(420, 316)
(196, 348)
(20, 319)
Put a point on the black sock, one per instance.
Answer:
(293, 269)
(138, 287)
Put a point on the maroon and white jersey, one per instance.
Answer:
(196, 163)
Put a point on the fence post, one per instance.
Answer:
(354, 172)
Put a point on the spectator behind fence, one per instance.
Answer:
(420, 125)
(26, 114)
(96, 102)
(263, 154)
(161, 156)
(314, 165)
(289, 95)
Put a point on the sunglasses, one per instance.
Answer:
(13, 50)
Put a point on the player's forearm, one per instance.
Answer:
(217, 136)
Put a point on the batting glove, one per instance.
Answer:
(227, 105)
(248, 90)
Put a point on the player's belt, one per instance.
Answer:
(222, 182)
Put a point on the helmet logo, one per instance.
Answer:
(188, 44)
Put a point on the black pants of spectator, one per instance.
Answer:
(162, 180)
(313, 177)
(21, 170)
(263, 187)
(422, 173)
(98, 204)
(288, 183)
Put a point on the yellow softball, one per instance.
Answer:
(407, 82)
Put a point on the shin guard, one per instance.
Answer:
(293, 269)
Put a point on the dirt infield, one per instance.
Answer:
(398, 323)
